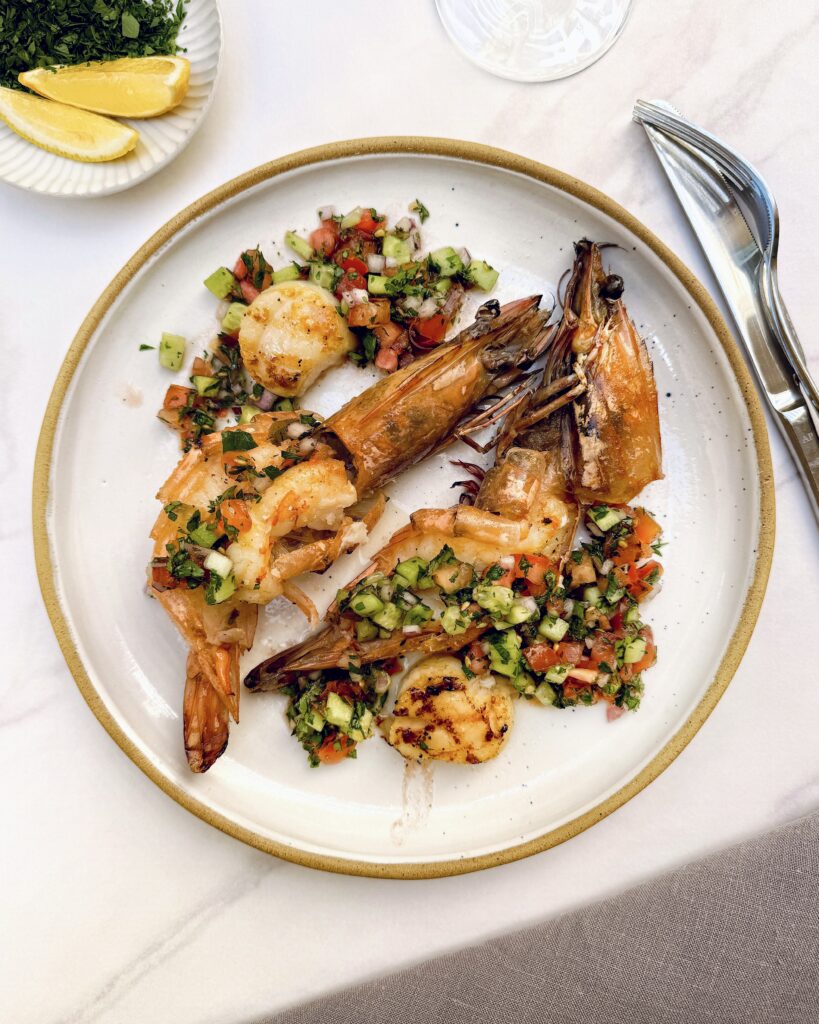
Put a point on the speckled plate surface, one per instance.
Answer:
(103, 454)
(160, 138)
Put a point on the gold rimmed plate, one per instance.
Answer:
(102, 456)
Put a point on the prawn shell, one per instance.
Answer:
(399, 420)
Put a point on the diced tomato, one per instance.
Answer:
(325, 238)
(534, 574)
(392, 666)
(602, 648)
(368, 224)
(249, 290)
(162, 579)
(433, 328)
(638, 544)
(478, 661)
(542, 657)
(354, 263)
(643, 578)
(176, 397)
(335, 748)
(234, 513)
(351, 281)
(570, 652)
(239, 269)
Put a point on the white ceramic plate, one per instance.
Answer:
(103, 455)
(160, 138)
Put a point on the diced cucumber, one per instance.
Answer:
(220, 282)
(481, 275)
(613, 592)
(218, 563)
(425, 582)
(366, 605)
(324, 275)
(220, 588)
(592, 595)
(519, 612)
(232, 319)
(558, 673)
(365, 630)
(524, 683)
(545, 694)
(342, 595)
(377, 284)
(284, 405)
(205, 385)
(552, 628)
(314, 720)
(634, 650)
(633, 614)
(171, 351)
(289, 273)
(442, 287)
(604, 518)
(447, 261)
(453, 621)
(389, 617)
(417, 615)
(396, 248)
(248, 412)
(338, 711)
(299, 245)
(205, 536)
(504, 653)
(352, 218)
(495, 599)
(411, 569)
(361, 732)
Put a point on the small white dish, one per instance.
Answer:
(160, 138)
(103, 454)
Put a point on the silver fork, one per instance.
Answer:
(758, 206)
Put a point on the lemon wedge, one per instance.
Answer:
(128, 87)
(64, 130)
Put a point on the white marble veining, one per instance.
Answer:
(119, 906)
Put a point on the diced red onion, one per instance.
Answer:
(355, 296)
(606, 567)
(414, 240)
(568, 606)
(267, 401)
(297, 430)
(613, 712)
(585, 675)
(381, 681)
(307, 445)
(412, 303)
(327, 212)
(409, 598)
(406, 224)
(507, 562)
(375, 262)
(390, 262)
(411, 629)
(429, 307)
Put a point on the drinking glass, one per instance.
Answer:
(533, 40)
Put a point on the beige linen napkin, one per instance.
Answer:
(732, 938)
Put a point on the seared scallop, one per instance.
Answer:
(442, 714)
(291, 333)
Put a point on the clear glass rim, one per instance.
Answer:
(523, 76)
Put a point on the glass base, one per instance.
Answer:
(533, 40)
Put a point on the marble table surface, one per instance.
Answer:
(119, 906)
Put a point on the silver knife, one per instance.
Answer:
(735, 259)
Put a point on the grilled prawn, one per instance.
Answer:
(589, 432)
(261, 503)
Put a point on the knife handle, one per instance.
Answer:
(797, 428)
